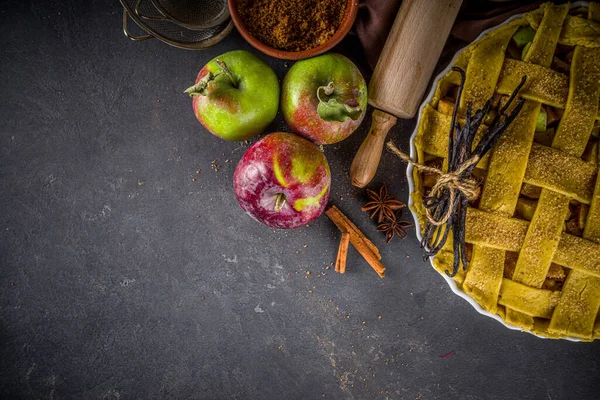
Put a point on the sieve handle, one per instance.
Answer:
(147, 17)
(126, 29)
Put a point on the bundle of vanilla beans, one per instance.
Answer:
(447, 203)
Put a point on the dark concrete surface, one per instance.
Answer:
(123, 278)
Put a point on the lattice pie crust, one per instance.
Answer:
(533, 236)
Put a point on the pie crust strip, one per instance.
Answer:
(504, 233)
(484, 67)
(556, 170)
(545, 85)
(531, 301)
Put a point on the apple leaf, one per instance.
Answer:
(333, 110)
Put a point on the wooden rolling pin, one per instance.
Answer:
(403, 71)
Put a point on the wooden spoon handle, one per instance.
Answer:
(365, 163)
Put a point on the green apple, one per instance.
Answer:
(236, 95)
(324, 98)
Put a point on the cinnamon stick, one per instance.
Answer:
(345, 225)
(340, 263)
(364, 246)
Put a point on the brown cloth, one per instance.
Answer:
(376, 17)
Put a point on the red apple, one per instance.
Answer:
(324, 98)
(282, 181)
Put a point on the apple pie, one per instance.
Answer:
(533, 235)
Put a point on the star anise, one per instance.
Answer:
(382, 204)
(394, 227)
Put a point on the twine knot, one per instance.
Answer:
(452, 181)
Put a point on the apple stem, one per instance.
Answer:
(328, 90)
(199, 89)
(227, 72)
(332, 110)
(279, 201)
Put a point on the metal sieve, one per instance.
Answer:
(194, 14)
(148, 17)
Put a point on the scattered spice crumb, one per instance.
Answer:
(198, 171)
(379, 317)
(194, 180)
(448, 355)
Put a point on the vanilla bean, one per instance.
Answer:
(463, 76)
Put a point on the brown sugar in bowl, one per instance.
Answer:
(340, 33)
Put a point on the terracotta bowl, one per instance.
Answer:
(347, 21)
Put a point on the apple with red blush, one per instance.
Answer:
(236, 95)
(324, 98)
(283, 181)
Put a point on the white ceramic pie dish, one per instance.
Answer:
(411, 183)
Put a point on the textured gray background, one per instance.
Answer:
(121, 277)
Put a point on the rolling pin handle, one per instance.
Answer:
(365, 163)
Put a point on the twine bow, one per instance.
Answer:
(452, 181)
